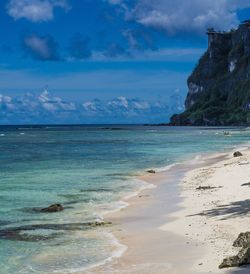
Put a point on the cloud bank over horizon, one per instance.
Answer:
(46, 108)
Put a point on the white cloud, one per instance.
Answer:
(89, 106)
(44, 96)
(133, 43)
(189, 16)
(119, 102)
(7, 102)
(41, 47)
(141, 105)
(53, 104)
(35, 10)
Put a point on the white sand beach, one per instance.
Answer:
(188, 223)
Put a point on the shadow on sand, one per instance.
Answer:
(228, 211)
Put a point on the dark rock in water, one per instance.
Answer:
(24, 233)
(96, 190)
(114, 128)
(2, 223)
(237, 154)
(25, 237)
(15, 234)
(151, 171)
(53, 208)
(243, 240)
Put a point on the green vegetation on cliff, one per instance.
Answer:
(219, 87)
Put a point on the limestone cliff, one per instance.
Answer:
(219, 87)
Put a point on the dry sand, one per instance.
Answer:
(177, 228)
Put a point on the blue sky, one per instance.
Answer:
(136, 53)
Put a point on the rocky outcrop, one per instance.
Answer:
(243, 257)
(53, 208)
(219, 87)
(25, 233)
(243, 240)
(152, 171)
(237, 154)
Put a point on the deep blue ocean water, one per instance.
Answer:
(88, 169)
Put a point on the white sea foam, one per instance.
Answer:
(120, 248)
(121, 204)
(143, 185)
(246, 147)
(165, 168)
(196, 159)
(115, 206)
(117, 253)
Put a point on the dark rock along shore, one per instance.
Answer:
(243, 257)
(219, 87)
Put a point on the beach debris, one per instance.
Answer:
(207, 187)
(243, 257)
(152, 171)
(246, 184)
(237, 154)
(53, 208)
(142, 196)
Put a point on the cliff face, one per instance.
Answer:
(219, 87)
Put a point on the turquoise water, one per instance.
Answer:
(88, 170)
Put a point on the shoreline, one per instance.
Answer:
(131, 230)
(168, 230)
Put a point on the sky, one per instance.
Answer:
(103, 61)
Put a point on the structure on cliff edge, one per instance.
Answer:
(219, 86)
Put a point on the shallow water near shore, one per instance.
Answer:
(88, 169)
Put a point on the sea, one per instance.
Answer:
(90, 170)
